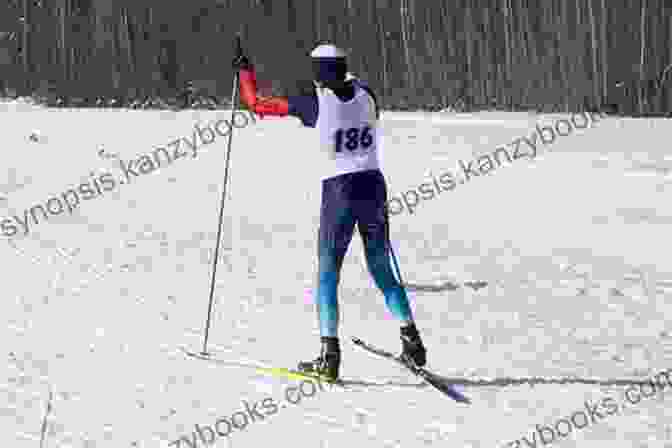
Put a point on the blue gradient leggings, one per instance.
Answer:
(355, 198)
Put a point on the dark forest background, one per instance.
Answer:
(546, 55)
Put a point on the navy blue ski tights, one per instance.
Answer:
(355, 198)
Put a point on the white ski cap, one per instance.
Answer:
(327, 51)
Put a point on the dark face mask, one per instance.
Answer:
(329, 70)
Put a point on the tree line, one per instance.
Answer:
(546, 55)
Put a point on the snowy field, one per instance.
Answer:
(570, 251)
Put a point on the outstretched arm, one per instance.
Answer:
(275, 106)
(303, 106)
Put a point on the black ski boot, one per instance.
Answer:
(412, 348)
(327, 364)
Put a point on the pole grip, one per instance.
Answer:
(238, 45)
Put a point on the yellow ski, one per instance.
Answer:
(275, 371)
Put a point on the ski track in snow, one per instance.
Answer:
(539, 286)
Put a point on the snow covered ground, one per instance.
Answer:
(571, 248)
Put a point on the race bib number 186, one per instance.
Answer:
(353, 139)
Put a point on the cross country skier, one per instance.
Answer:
(345, 113)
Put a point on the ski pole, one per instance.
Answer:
(223, 199)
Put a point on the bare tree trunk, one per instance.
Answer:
(26, 48)
(565, 64)
(641, 59)
(529, 53)
(405, 37)
(380, 20)
(668, 98)
(62, 9)
(506, 9)
(596, 76)
(605, 50)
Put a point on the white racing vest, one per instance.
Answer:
(348, 132)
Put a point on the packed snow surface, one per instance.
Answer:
(541, 286)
